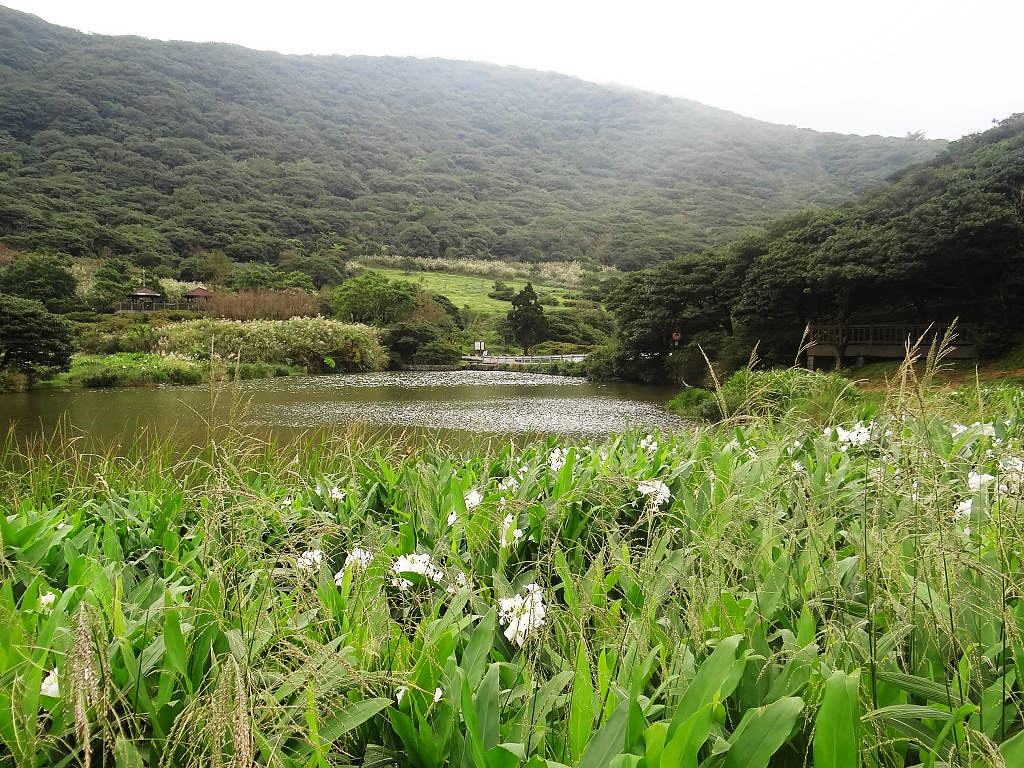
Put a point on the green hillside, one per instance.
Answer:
(943, 241)
(155, 151)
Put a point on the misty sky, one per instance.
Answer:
(947, 68)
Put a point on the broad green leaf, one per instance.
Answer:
(174, 645)
(835, 728)
(1012, 750)
(607, 742)
(761, 732)
(126, 754)
(581, 706)
(717, 677)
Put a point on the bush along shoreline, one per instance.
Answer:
(194, 351)
(768, 591)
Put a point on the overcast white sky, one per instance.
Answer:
(857, 66)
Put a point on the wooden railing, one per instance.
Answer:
(886, 334)
(157, 306)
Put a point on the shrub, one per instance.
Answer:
(311, 343)
(437, 352)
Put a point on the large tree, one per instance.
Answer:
(372, 298)
(526, 319)
(40, 278)
(33, 341)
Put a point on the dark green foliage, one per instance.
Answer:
(943, 241)
(372, 298)
(437, 352)
(405, 339)
(526, 319)
(113, 281)
(41, 278)
(33, 341)
(153, 150)
(502, 291)
(452, 311)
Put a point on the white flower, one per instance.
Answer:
(656, 492)
(798, 466)
(286, 502)
(976, 481)
(649, 444)
(509, 485)
(414, 563)
(459, 582)
(309, 560)
(963, 509)
(523, 471)
(522, 615)
(358, 560)
(503, 529)
(46, 600)
(473, 499)
(452, 517)
(858, 435)
(438, 693)
(556, 460)
(50, 686)
(334, 493)
(400, 693)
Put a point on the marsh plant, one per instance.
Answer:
(765, 591)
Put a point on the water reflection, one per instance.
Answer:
(435, 404)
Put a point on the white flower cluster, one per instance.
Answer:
(473, 499)
(976, 481)
(506, 524)
(46, 600)
(1011, 475)
(988, 430)
(459, 582)
(358, 560)
(309, 560)
(333, 492)
(522, 615)
(51, 685)
(557, 459)
(414, 563)
(649, 445)
(508, 485)
(657, 492)
(859, 435)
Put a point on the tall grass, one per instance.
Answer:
(761, 592)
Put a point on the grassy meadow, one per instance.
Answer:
(773, 590)
(469, 290)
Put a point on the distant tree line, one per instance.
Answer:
(944, 240)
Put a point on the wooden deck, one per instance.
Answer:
(885, 341)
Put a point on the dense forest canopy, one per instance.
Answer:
(944, 240)
(155, 151)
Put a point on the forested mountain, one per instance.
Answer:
(944, 240)
(157, 150)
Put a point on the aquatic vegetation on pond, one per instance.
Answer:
(762, 592)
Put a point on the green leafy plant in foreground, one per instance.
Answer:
(769, 592)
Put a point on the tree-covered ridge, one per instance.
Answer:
(156, 150)
(944, 240)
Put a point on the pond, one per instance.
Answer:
(450, 406)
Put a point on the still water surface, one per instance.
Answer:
(445, 405)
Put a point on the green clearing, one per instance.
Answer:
(775, 590)
(471, 290)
